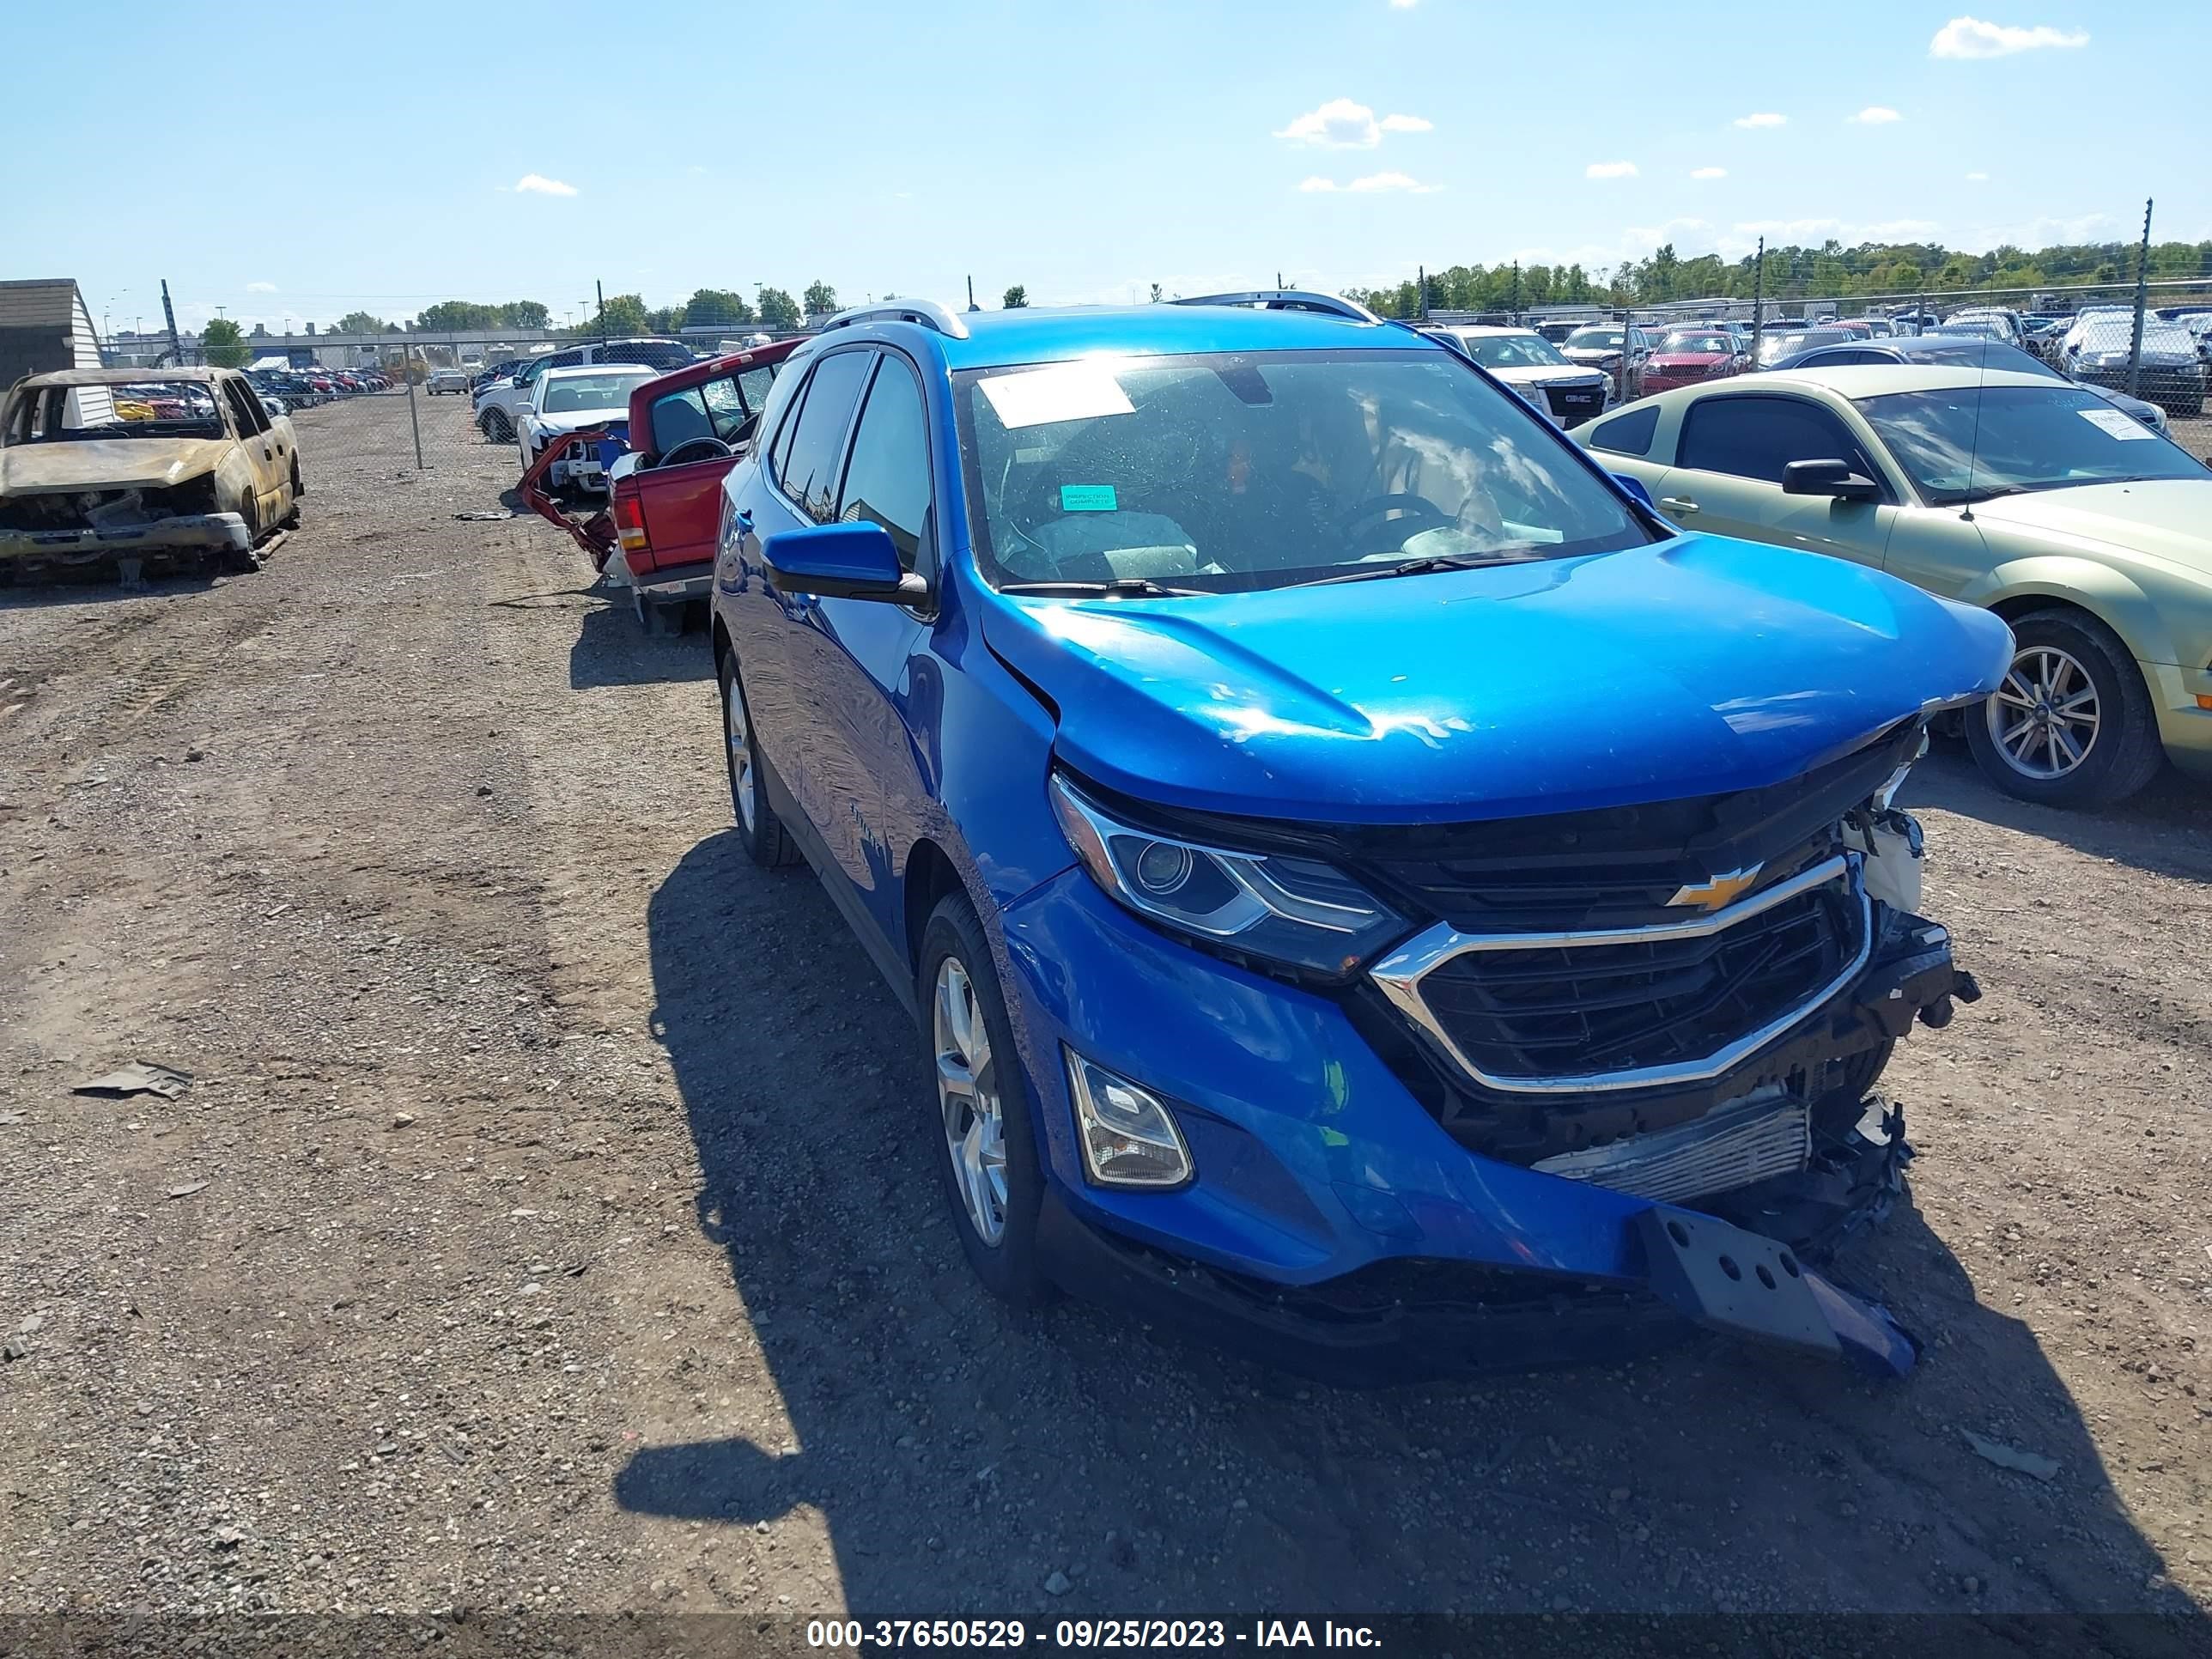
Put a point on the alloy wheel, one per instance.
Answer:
(739, 736)
(968, 1095)
(2046, 716)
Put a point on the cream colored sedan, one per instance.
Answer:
(2087, 531)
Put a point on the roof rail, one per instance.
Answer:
(927, 312)
(1287, 298)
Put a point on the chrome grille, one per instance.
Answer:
(1677, 1001)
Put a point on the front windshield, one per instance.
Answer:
(1264, 469)
(2007, 438)
(1513, 351)
(567, 393)
(143, 409)
(1594, 339)
(1698, 342)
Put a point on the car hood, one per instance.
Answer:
(1588, 354)
(107, 464)
(571, 419)
(1687, 359)
(1696, 666)
(2165, 518)
(1548, 374)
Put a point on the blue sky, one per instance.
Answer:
(329, 155)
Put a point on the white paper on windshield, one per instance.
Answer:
(1066, 391)
(2125, 427)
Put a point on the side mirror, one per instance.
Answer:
(853, 561)
(1831, 478)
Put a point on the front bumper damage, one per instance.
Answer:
(182, 539)
(1337, 1229)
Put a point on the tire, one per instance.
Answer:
(291, 520)
(1003, 1181)
(766, 841)
(239, 561)
(497, 428)
(2059, 649)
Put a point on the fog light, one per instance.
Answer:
(1129, 1136)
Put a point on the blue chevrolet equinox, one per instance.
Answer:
(1364, 882)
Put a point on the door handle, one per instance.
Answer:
(1678, 504)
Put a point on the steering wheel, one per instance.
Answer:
(697, 449)
(1420, 513)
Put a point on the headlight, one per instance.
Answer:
(1291, 911)
(1128, 1136)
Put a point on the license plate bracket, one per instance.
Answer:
(1728, 1280)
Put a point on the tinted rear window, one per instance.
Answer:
(808, 469)
(1626, 434)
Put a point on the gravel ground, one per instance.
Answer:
(549, 1225)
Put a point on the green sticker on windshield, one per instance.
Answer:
(1087, 498)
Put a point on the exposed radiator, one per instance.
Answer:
(1764, 1134)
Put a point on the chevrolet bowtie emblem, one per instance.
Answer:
(1718, 892)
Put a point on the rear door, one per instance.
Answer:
(1727, 476)
(856, 652)
(794, 485)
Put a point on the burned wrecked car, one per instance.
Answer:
(141, 471)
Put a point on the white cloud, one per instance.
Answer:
(261, 287)
(1763, 118)
(1404, 5)
(1610, 170)
(1970, 37)
(1876, 115)
(1978, 177)
(1342, 124)
(1373, 183)
(1709, 173)
(537, 184)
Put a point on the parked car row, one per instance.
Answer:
(498, 399)
(306, 388)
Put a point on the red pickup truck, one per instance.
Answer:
(686, 430)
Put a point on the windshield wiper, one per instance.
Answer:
(1421, 567)
(1138, 587)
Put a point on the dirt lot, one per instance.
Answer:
(548, 1225)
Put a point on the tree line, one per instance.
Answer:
(1830, 270)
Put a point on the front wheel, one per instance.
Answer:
(987, 1160)
(2071, 725)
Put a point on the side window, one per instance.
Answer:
(755, 383)
(245, 410)
(1626, 434)
(1757, 437)
(887, 480)
(808, 469)
(679, 418)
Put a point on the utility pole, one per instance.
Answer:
(169, 315)
(1421, 277)
(2142, 298)
(600, 289)
(1758, 299)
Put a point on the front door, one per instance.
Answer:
(1727, 477)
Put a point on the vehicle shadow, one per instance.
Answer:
(967, 1460)
(613, 648)
(2161, 830)
(35, 593)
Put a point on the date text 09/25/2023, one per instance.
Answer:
(1087, 1633)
